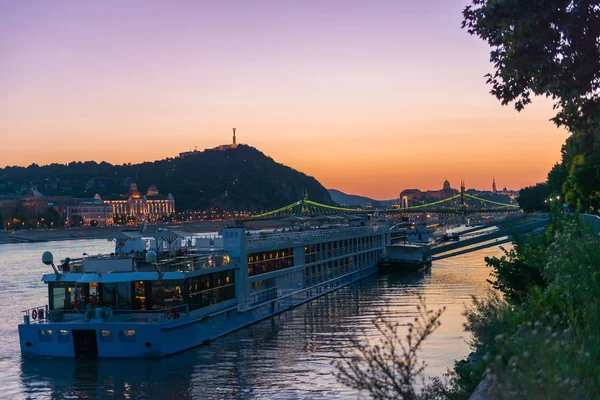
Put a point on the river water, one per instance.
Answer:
(285, 357)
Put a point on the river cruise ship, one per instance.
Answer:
(181, 294)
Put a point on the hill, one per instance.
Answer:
(354, 200)
(235, 179)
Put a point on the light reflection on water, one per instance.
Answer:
(285, 357)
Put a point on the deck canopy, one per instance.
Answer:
(347, 217)
(294, 218)
(126, 241)
(325, 218)
(165, 240)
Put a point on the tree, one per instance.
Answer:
(389, 369)
(550, 48)
(546, 48)
(76, 220)
(534, 198)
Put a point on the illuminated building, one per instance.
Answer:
(410, 197)
(149, 207)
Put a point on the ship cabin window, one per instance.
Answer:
(94, 294)
(139, 293)
(127, 335)
(209, 289)
(67, 295)
(45, 335)
(106, 336)
(268, 261)
(64, 335)
(165, 294)
(116, 295)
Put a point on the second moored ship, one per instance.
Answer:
(183, 293)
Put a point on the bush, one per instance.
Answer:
(390, 369)
(543, 340)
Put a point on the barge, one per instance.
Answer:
(161, 300)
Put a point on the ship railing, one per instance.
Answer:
(187, 263)
(259, 297)
(174, 263)
(35, 314)
(328, 275)
(290, 297)
(111, 315)
(276, 239)
(332, 254)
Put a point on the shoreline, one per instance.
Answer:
(50, 235)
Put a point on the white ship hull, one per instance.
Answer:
(167, 337)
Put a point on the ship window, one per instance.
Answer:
(45, 335)
(64, 335)
(210, 289)
(66, 295)
(260, 263)
(127, 335)
(165, 294)
(106, 336)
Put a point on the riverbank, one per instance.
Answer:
(541, 337)
(47, 235)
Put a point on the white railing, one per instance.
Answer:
(296, 238)
(260, 297)
(184, 263)
(35, 314)
(108, 314)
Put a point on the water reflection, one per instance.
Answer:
(285, 357)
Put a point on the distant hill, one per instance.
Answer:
(354, 200)
(236, 179)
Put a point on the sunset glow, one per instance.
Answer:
(368, 97)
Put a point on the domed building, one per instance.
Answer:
(149, 207)
(411, 197)
(152, 191)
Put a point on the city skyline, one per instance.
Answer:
(368, 99)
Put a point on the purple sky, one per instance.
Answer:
(355, 93)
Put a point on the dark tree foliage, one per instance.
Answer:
(76, 220)
(550, 48)
(514, 274)
(556, 177)
(235, 179)
(532, 198)
(543, 47)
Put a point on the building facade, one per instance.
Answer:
(89, 212)
(9, 208)
(149, 207)
(33, 204)
(411, 197)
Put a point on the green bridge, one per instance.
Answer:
(461, 203)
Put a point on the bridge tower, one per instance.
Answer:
(463, 204)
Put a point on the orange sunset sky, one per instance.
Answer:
(368, 97)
